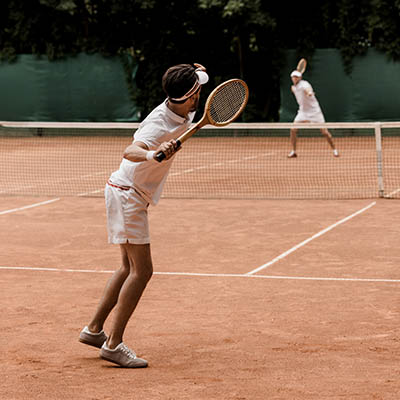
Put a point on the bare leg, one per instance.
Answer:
(110, 295)
(140, 272)
(328, 137)
(293, 138)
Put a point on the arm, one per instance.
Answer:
(138, 151)
(309, 92)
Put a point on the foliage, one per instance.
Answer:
(232, 38)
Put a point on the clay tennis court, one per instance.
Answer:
(250, 299)
(318, 320)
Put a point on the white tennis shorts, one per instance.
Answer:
(127, 220)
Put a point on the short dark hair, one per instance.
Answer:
(178, 80)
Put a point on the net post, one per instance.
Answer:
(378, 141)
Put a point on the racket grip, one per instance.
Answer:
(161, 156)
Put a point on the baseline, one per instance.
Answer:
(196, 274)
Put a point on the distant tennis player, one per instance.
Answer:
(309, 111)
(137, 183)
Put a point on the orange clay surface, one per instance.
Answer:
(320, 322)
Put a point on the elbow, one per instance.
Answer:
(128, 155)
(134, 153)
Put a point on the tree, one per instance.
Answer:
(232, 38)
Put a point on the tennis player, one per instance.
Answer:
(309, 111)
(137, 183)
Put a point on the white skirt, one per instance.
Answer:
(317, 117)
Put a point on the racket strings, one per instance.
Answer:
(228, 102)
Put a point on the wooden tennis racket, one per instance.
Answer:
(223, 106)
(302, 65)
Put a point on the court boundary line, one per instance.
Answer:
(304, 242)
(219, 164)
(392, 193)
(211, 275)
(16, 192)
(42, 203)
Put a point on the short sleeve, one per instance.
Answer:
(307, 86)
(150, 135)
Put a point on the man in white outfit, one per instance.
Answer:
(309, 111)
(137, 183)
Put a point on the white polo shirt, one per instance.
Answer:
(148, 177)
(309, 108)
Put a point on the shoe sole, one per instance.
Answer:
(122, 366)
(89, 343)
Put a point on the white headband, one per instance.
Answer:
(296, 73)
(202, 78)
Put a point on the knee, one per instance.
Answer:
(326, 133)
(148, 274)
(144, 274)
(125, 263)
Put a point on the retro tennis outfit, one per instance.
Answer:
(135, 185)
(309, 108)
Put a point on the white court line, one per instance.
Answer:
(18, 189)
(90, 193)
(304, 242)
(58, 181)
(187, 171)
(392, 193)
(194, 274)
(42, 203)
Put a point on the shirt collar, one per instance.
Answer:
(172, 115)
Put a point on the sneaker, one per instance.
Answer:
(335, 153)
(123, 356)
(292, 154)
(92, 339)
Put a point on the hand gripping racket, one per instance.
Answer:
(224, 105)
(302, 65)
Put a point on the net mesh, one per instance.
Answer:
(227, 103)
(240, 161)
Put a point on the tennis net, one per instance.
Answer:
(239, 161)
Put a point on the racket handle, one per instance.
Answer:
(161, 156)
